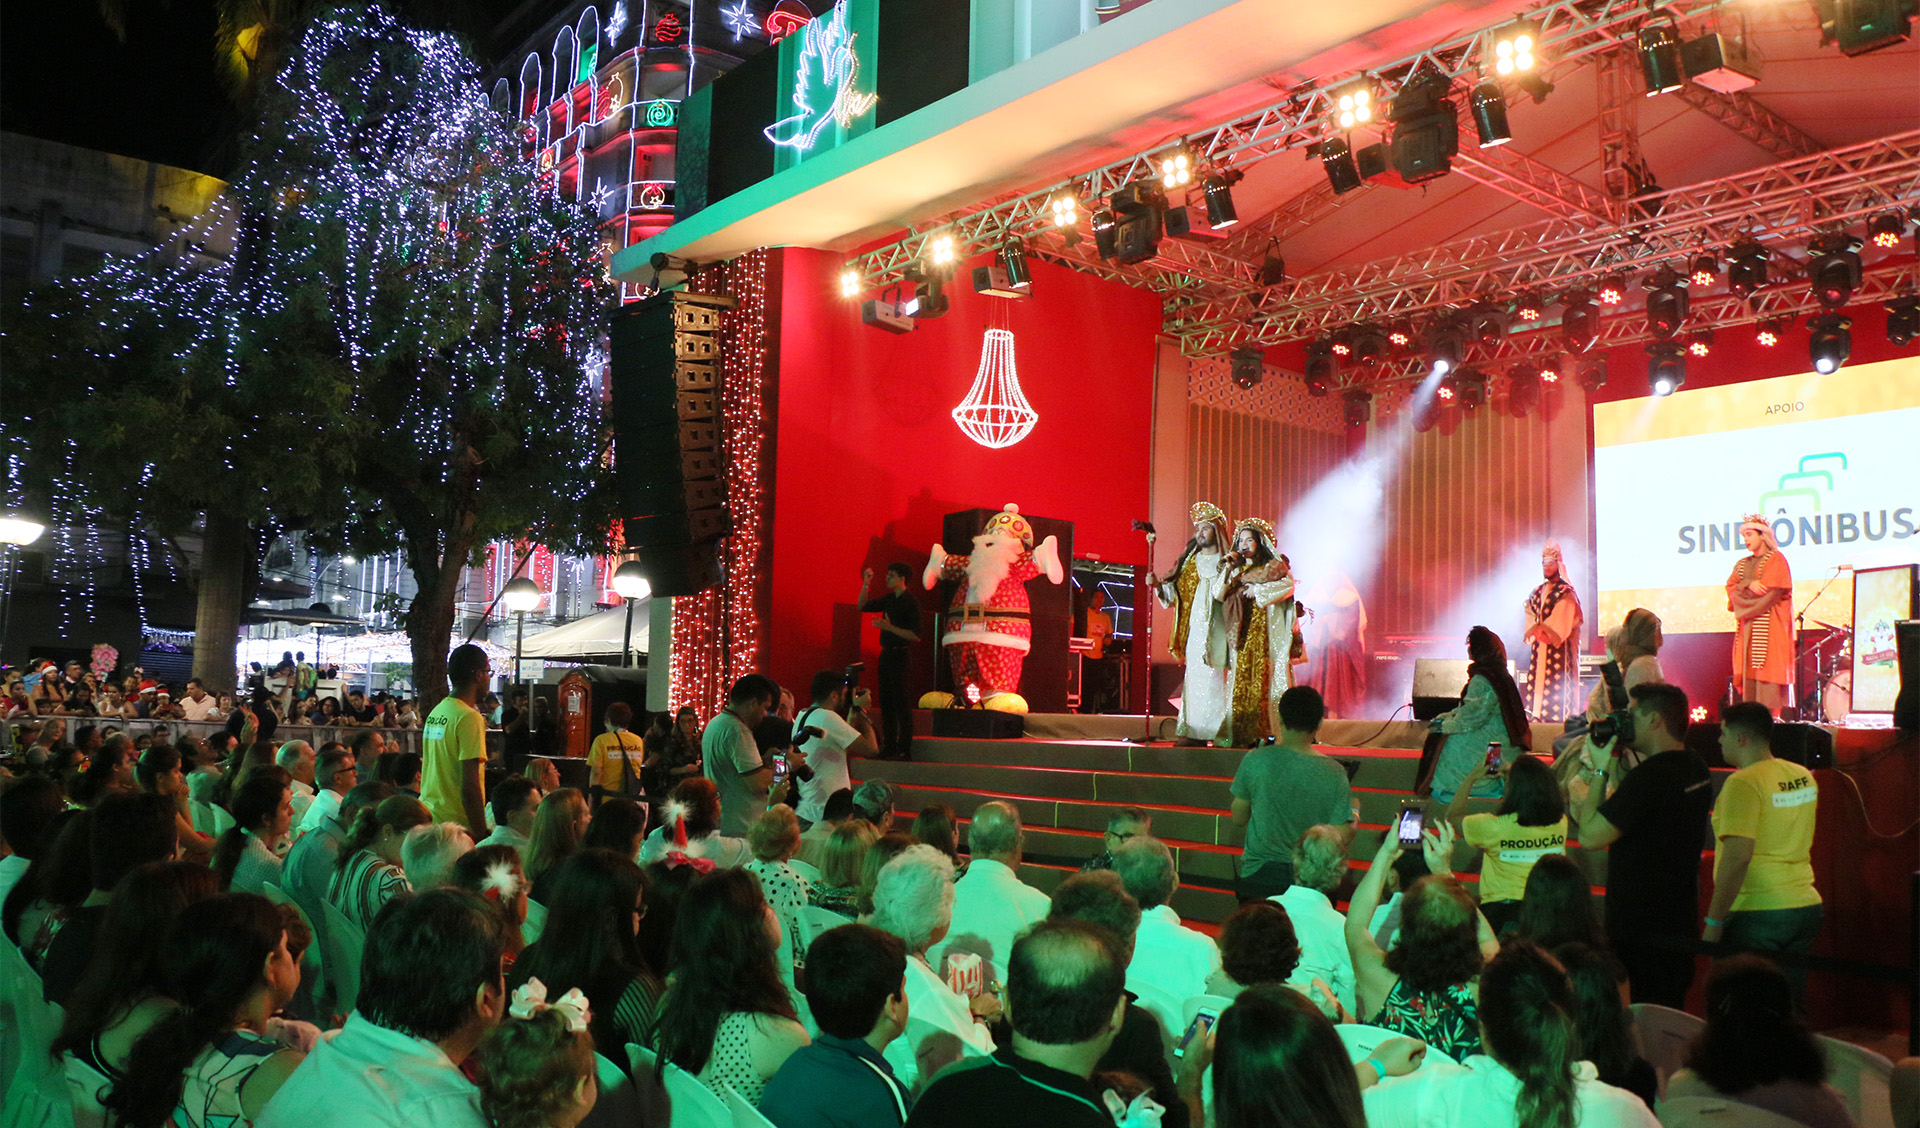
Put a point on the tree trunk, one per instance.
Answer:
(436, 570)
(225, 544)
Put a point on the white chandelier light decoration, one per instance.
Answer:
(996, 412)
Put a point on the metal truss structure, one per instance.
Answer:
(1213, 302)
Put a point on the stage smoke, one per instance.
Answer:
(1320, 533)
(1496, 599)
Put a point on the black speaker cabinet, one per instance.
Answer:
(1810, 746)
(1906, 706)
(1437, 683)
(978, 724)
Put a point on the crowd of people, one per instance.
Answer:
(722, 897)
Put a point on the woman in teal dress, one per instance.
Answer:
(1490, 709)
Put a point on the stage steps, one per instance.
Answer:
(1065, 788)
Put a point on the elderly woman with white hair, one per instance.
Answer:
(429, 853)
(913, 899)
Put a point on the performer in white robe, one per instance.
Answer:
(1259, 609)
(1199, 637)
(1553, 631)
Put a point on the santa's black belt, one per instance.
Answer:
(973, 611)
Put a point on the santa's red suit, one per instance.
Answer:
(988, 633)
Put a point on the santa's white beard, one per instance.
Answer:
(986, 571)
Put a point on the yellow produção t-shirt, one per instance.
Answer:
(605, 755)
(454, 732)
(1511, 851)
(1771, 802)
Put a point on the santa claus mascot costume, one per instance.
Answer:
(989, 627)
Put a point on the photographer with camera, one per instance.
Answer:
(1649, 809)
(828, 739)
(1633, 652)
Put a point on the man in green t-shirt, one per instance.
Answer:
(453, 745)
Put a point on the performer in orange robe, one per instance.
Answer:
(1760, 595)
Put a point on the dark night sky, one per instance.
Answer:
(65, 77)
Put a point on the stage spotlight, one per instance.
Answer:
(1490, 114)
(1013, 258)
(1358, 404)
(1613, 289)
(1666, 367)
(1903, 320)
(1550, 370)
(1471, 384)
(1860, 26)
(1176, 168)
(1516, 48)
(1007, 276)
(1401, 335)
(1249, 366)
(1273, 268)
(1352, 103)
(1445, 346)
(1105, 233)
(1319, 373)
(1426, 131)
(1529, 307)
(1700, 342)
(887, 315)
(1486, 325)
(1829, 341)
(1666, 303)
(929, 298)
(1593, 373)
(1767, 333)
(1218, 189)
(1065, 208)
(1523, 389)
(1343, 342)
(850, 282)
(1579, 321)
(1834, 270)
(940, 250)
(1885, 231)
(1369, 346)
(1705, 271)
(1336, 156)
(1747, 267)
(1720, 64)
(1660, 63)
(1448, 390)
(1137, 210)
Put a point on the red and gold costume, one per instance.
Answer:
(1760, 595)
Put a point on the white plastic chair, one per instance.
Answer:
(85, 1086)
(1165, 1008)
(815, 920)
(694, 1105)
(1665, 1037)
(1718, 1112)
(656, 1108)
(1361, 1040)
(618, 1105)
(344, 943)
(535, 924)
(37, 1096)
(202, 812)
(743, 1112)
(1864, 1078)
(222, 821)
(805, 869)
(280, 896)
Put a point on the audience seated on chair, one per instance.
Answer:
(559, 825)
(694, 806)
(1319, 868)
(515, 801)
(1166, 954)
(308, 868)
(773, 837)
(841, 862)
(857, 993)
(1755, 1051)
(913, 900)
(537, 1069)
(28, 806)
(590, 941)
(813, 840)
(367, 873)
(247, 855)
(429, 851)
(1275, 1059)
(991, 905)
(1606, 1026)
(128, 830)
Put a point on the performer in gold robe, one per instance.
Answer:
(1257, 602)
(1760, 595)
(1199, 636)
(1553, 630)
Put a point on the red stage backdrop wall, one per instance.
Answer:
(869, 458)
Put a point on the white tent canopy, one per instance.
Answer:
(592, 637)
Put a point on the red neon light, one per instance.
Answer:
(668, 29)
(787, 17)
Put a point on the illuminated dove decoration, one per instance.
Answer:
(823, 87)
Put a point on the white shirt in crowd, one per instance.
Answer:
(1170, 957)
(726, 852)
(324, 806)
(826, 756)
(367, 1075)
(504, 835)
(11, 868)
(302, 798)
(199, 710)
(991, 906)
(1480, 1093)
(935, 1017)
(1321, 930)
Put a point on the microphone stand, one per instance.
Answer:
(1146, 721)
(1799, 649)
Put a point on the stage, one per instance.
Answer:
(1070, 771)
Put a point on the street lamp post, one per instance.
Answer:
(630, 584)
(17, 530)
(521, 595)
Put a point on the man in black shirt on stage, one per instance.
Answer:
(898, 619)
(1654, 826)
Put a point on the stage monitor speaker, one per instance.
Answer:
(1437, 683)
(978, 724)
(1703, 740)
(1906, 706)
(665, 383)
(1810, 746)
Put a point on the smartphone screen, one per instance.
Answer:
(1202, 1022)
(1412, 821)
(779, 768)
(1493, 756)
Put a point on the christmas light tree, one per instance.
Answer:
(410, 312)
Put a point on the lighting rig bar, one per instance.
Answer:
(1569, 31)
(1779, 203)
(1751, 120)
(1717, 312)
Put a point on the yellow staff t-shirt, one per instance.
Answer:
(604, 757)
(454, 732)
(1511, 851)
(1771, 802)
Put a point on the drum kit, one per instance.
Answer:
(1832, 698)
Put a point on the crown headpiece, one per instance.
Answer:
(1261, 523)
(1009, 521)
(1205, 512)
